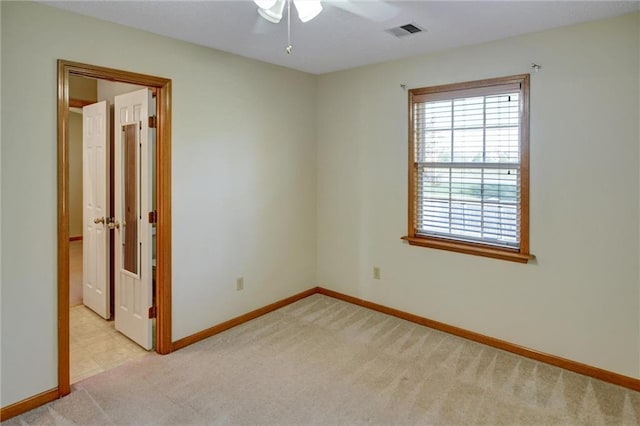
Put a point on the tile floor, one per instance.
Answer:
(96, 346)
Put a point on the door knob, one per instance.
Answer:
(113, 224)
(98, 220)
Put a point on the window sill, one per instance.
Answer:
(475, 249)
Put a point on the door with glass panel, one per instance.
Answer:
(133, 141)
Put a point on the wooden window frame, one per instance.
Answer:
(521, 254)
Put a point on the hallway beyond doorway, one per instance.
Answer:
(96, 346)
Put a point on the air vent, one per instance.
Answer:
(405, 30)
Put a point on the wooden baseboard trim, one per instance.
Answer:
(25, 405)
(78, 238)
(186, 341)
(577, 367)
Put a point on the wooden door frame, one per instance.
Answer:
(162, 88)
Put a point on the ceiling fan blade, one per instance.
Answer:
(374, 10)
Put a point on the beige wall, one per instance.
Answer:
(82, 88)
(108, 90)
(580, 298)
(243, 179)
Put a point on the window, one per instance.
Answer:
(469, 168)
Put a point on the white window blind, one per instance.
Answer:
(467, 164)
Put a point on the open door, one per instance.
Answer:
(133, 202)
(95, 193)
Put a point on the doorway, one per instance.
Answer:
(162, 293)
(98, 341)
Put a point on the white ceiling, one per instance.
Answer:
(338, 39)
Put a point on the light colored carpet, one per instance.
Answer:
(324, 361)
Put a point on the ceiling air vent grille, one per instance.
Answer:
(405, 30)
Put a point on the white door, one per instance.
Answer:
(132, 202)
(95, 196)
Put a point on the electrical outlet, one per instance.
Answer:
(376, 273)
(239, 283)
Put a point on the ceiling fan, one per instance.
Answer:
(274, 10)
